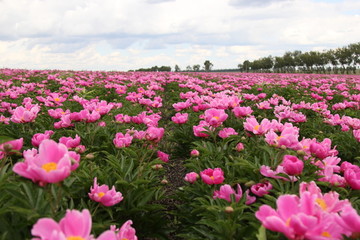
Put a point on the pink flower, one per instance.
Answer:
(240, 112)
(163, 156)
(356, 134)
(39, 137)
(122, 140)
(75, 225)
(7, 147)
(191, 177)
(180, 118)
(70, 142)
(292, 165)
(194, 153)
(239, 147)
(227, 132)
(51, 165)
(252, 125)
(261, 189)
(103, 195)
(125, 232)
(154, 134)
(24, 115)
(226, 191)
(200, 131)
(352, 177)
(350, 220)
(215, 117)
(322, 149)
(212, 176)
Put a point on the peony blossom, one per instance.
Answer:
(191, 177)
(212, 176)
(51, 164)
(39, 137)
(292, 165)
(75, 225)
(103, 195)
(226, 191)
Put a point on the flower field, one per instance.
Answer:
(135, 155)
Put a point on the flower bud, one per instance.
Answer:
(194, 153)
(164, 181)
(229, 209)
(157, 166)
(90, 156)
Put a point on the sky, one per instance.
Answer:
(129, 34)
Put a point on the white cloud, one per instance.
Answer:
(128, 34)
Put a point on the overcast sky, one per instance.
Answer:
(130, 34)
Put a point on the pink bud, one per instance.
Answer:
(292, 165)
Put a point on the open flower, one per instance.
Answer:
(103, 195)
(75, 225)
(51, 165)
(212, 176)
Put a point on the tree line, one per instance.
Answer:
(340, 60)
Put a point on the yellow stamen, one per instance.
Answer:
(75, 238)
(101, 194)
(57, 99)
(279, 137)
(48, 167)
(321, 203)
(257, 127)
(326, 234)
(288, 222)
(212, 177)
(216, 117)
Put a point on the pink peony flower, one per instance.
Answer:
(103, 195)
(122, 140)
(24, 115)
(261, 189)
(7, 147)
(252, 125)
(154, 134)
(163, 156)
(126, 232)
(191, 177)
(239, 147)
(180, 118)
(51, 165)
(227, 132)
(39, 137)
(75, 225)
(194, 153)
(240, 112)
(215, 117)
(226, 191)
(292, 165)
(212, 176)
(70, 142)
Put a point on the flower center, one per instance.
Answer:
(75, 238)
(279, 137)
(257, 127)
(326, 234)
(48, 167)
(321, 203)
(288, 222)
(57, 99)
(101, 194)
(216, 118)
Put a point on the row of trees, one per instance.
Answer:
(196, 68)
(341, 60)
(154, 69)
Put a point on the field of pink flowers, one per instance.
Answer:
(115, 155)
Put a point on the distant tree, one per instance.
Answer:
(246, 65)
(207, 65)
(240, 67)
(196, 67)
(188, 68)
(177, 68)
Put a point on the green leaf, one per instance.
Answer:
(4, 139)
(262, 233)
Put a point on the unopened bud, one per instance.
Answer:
(283, 147)
(157, 166)
(164, 181)
(300, 152)
(229, 209)
(250, 183)
(90, 156)
(7, 147)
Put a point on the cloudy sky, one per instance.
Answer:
(130, 34)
